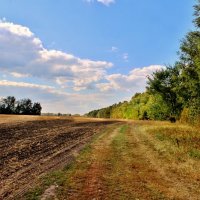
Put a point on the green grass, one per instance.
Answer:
(119, 142)
(123, 128)
(119, 163)
(160, 136)
(56, 177)
(194, 153)
(34, 194)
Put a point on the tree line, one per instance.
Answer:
(171, 93)
(10, 105)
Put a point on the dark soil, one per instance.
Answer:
(32, 148)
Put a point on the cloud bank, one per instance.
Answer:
(83, 83)
(23, 54)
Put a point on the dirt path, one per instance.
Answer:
(122, 164)
(93, 185)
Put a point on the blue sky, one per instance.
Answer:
(78, 55)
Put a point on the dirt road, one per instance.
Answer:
(33, 146)
(124, 163)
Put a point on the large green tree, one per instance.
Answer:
(164, 83)
(197, 14)
(189, 67)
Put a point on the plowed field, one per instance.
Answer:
(33, 146)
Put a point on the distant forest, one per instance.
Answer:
(171, 93)
(9, 105)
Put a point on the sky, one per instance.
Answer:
(74, 56)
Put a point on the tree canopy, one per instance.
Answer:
(9, 105)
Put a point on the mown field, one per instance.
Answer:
(88, 159)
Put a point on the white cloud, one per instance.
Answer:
(114, 49)
(23, 53)
(16, 29)
(25, 85)
(19, 75)
(105, 2)
(135, 81)
(3, 19)
(125, 57)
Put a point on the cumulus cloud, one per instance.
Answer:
(53, 99)
(105, 2)
(134, 81)
(22, 53)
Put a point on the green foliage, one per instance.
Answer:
(142, 106)
(185, 116)
(180, 85)
(34, 194)
(189, 68)
(157, 109)
(197, 14)
(191, 114)
(7, 105)
(194, 112)
(164, 83)
(55, 177)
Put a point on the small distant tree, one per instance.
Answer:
(36, 110)
(26, 106)
(2, 107)
(7, 105)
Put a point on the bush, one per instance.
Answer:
(185, 116)
(191, 114)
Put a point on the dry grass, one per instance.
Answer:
(10, 119)
(181, 141)
(178, 146)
